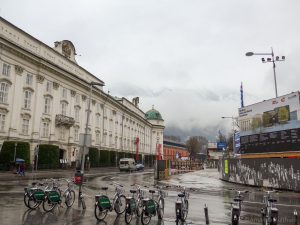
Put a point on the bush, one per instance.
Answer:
(8, 151)
(94, 156)
(48, 157)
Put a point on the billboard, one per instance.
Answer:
(273, 106)
(276, 141)
(278, 115)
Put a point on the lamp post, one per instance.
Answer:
(272, 60)
(84, 148)
(234, 123)
(16, 144)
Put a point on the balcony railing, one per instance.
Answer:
(62, 120)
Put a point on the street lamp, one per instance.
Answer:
(84, 148)
(16, 144)
(234, 123)
(272, 60)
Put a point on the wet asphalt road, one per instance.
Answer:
(204, 187)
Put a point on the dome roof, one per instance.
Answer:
(153, 115)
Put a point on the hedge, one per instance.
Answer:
(8, 151)
(48, 157)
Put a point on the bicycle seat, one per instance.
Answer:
(132, 191)
(237, 200)
(104, 188)
(181, 195)
(151, 191)
(272, 200)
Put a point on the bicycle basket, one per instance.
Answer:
(150, 207)
(104, 202)
(53, 196)
(39, 195)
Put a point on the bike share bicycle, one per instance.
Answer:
(152, 207)
(269, 212)
(236, 207)
(182, 206)
(103, 204)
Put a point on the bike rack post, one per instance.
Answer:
(296, 217)
(206, 214)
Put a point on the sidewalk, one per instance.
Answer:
(57, 173)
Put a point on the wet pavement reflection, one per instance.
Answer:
(204, 188)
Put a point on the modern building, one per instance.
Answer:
(174, 150)
(44, 98)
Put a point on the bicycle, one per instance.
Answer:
(131, 207)
(52, 197)
(139, 198)
(34, 195)
(152, 207)
(182, 206)
(69, 193)
(102, 205)
(269, 211)
(119, 200)
(236, 207)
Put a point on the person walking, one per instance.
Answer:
(22, 169)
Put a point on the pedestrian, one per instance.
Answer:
(22, 169)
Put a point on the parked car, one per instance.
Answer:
(139, 166)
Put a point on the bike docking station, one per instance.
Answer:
(162, 169)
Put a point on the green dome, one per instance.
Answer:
(153, 115)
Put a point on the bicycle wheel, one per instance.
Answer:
(139, 208)
(120, 204)
(48, 205)
(31, 202)
(185, 210)
(26, 197)
(128, 215)
(145, 218)
(100, 214)
(70, 198)
(160, 208)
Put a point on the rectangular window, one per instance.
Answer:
(64, 93)
(49, 86)
(97, 138)
(76, 134)
(64, 108)
(2, 122)
(25, 126)
(27, 99)
(77, 111)
(97, 120)
(29, 79)
(3, 92)
(62, 133)
(45, 129)
(77, 99)
(47, 105)
(6, 70)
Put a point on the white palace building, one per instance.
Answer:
(44, 96)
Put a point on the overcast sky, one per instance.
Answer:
(185, 57)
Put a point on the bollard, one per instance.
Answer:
(206, 214)
(296, 217)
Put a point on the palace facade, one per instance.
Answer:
(44, 98)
